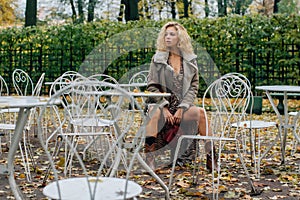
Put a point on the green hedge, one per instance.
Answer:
(265, 49)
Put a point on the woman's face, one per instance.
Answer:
(171, 37)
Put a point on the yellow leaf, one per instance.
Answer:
(183, 184)
(22, 175)
(61, 162)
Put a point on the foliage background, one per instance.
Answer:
(265, 49)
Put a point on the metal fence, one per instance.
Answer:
(261, 68)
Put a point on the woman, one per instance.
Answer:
(173, 69)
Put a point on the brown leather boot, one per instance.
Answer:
(209, 160)
(150, 155)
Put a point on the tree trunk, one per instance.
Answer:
(80, 11)
(221, 8)
(30, 13)
(206, 8)
(74, 14)
(91, 10)
(276, 2)
(173, 9)
(238, 7)
(186, 8)
(225, 8)
(131, 10)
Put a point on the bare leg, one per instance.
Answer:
(151, 137)
(151, 127)
(197, 114)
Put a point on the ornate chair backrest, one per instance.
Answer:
(139, 77)
(22, 82)
(64, 80)
(229, 98)
(103, 77)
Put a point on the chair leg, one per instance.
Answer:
(254, 191)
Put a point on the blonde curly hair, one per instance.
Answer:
(184, 43)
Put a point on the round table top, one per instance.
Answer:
(22, 101)
(78, 188)
(280, 88)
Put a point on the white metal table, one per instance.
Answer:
(283, 119)
(25, 104)
(101, 187)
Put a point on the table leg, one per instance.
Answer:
(281, 125)
(21, 121)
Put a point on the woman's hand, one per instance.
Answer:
(178, 116)
(168, 116)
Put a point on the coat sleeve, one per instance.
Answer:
(191, 94)
(154, 85)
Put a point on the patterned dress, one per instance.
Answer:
(174, 100)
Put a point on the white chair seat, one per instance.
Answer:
(256, 124)
(293, 113)
(10, 110)
(92, 122)
(7, 126)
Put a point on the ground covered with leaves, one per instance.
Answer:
(277, 181)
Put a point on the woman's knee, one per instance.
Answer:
(154, 113)
(202, 115)
(192, 113)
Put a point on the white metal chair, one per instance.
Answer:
(23, 86)
(229, 97)
(89, 107)
(90, 132)
(257, 138)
